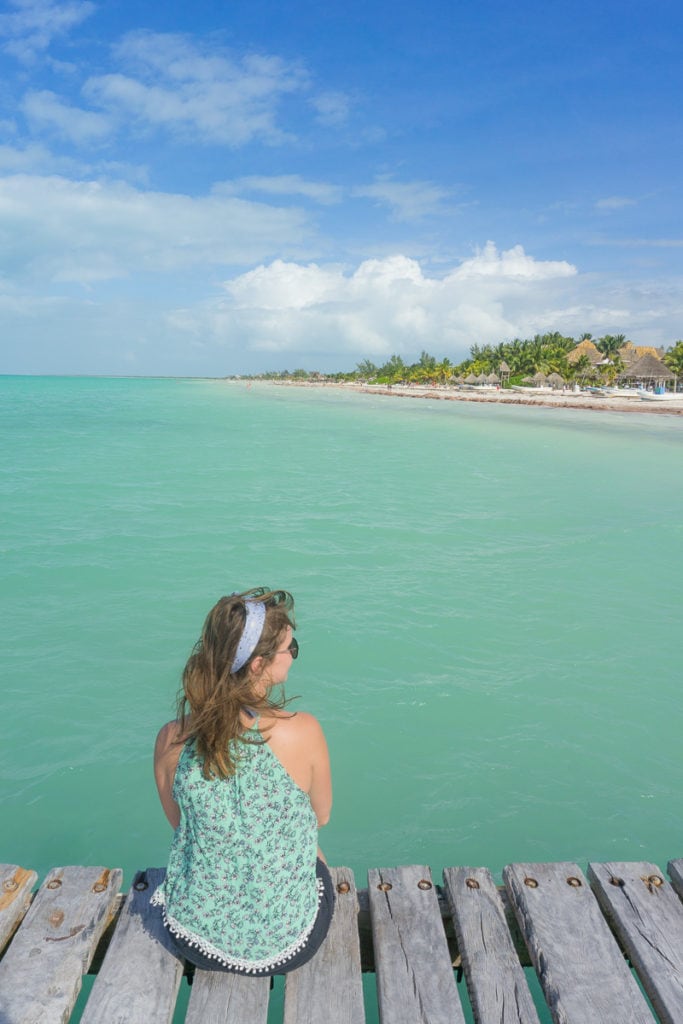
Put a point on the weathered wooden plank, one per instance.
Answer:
(647, 915)
(367, 953)
(140, 975)
(329, 987)
(41, 973)
(415, 979)
(15, 898)
(495, 980)
(675, 870)
(219, 997)
(584, 976)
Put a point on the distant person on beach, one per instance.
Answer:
(246, 785)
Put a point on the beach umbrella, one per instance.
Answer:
(527, 380)
(493, 378)
(471, 379)
(481, 379)
(539, 378)
(555, 380)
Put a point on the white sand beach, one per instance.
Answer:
(561, 399)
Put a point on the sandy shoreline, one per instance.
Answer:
(558, 400)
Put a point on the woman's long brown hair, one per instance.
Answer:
(213, 697)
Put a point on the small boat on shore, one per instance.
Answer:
(662, 396)
(533, 390)
(617, 392)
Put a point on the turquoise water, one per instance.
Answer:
(488, 602)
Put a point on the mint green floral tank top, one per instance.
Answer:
(241, 881)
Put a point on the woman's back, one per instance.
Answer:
(244, 889)
(241, 877)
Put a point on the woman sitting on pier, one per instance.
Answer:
(245, 784)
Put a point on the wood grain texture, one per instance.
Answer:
(41, 973)
(675, 871)
(415, 982)
(329, 987)
(495, 980)
(582, 971)
(222, 998)
(647, 915)
(140, 975)
(15, 898)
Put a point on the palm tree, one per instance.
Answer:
(674, 358)
(394, 369)
(366, 368)
(610, 344)
(582, 367)
(444, 370)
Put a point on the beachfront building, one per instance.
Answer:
(649, 371)
(585, 348)
(630, 353)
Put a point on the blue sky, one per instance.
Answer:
(224, 188)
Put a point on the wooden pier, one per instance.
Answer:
(588, 938)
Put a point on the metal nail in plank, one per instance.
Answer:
(329, 987)
(15, 898)
(647, 916)
(582, 971)
(41, 973)
(415, 979)
(140, 975)
(495, 978)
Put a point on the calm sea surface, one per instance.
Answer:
(488, 602)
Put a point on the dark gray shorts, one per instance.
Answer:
(302, 956)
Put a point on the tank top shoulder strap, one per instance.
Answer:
(253, 717)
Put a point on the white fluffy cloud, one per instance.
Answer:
(407, 200)
(59, 230)
(31, 25)
(612, 203)
(332, 108)
(284, 185)
(44, 109)
(174, 84)
(383, 306)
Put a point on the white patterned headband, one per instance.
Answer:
(251, 634)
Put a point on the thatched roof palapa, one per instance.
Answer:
(555, 380)
(539, 378)
(585, 348)
(503, 368)
(471, 379)
(493, 378)
(631, 353)
(648, 367)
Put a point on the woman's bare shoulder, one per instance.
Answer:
(293, 726)
(169, 738)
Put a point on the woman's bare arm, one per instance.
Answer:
(320, 786)
(166, 753)
(298, 741)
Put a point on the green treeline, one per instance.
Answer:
(544, 353)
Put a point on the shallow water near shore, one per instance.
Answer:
(488, 602)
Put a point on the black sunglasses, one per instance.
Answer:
(293, 649)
